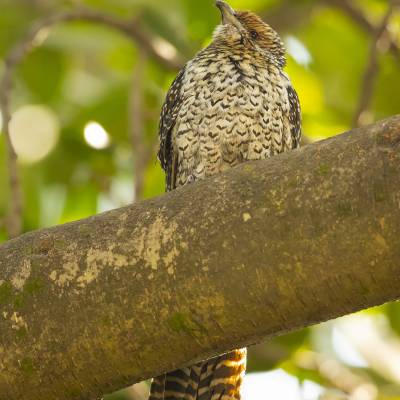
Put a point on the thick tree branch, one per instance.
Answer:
(262, 249)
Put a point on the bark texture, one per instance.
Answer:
(267, 247)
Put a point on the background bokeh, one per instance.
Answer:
(85, 107)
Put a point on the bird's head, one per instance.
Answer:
(246, 30)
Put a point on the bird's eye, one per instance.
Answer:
(254, 35)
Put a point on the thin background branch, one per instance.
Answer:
(357, 15)
(335, 373)
(147, 42)
(13, 220)
(137, 125)
(142, 151)
(372, 68)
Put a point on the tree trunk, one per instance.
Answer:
(265, 248)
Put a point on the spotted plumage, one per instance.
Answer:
(230, 104)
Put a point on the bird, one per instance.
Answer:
(230, 104)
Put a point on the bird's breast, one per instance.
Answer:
(231, 112)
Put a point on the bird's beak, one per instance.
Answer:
(228, 14)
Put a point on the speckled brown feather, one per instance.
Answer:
(230, 104)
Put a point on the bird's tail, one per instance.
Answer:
(219, 378)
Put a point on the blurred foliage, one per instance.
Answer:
(83, 73)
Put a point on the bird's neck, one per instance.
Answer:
(219, 51)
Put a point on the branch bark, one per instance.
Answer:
(265, 248)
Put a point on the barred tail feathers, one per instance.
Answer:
(219, 378)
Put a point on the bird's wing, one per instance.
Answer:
(169, 113)
(294, 116)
